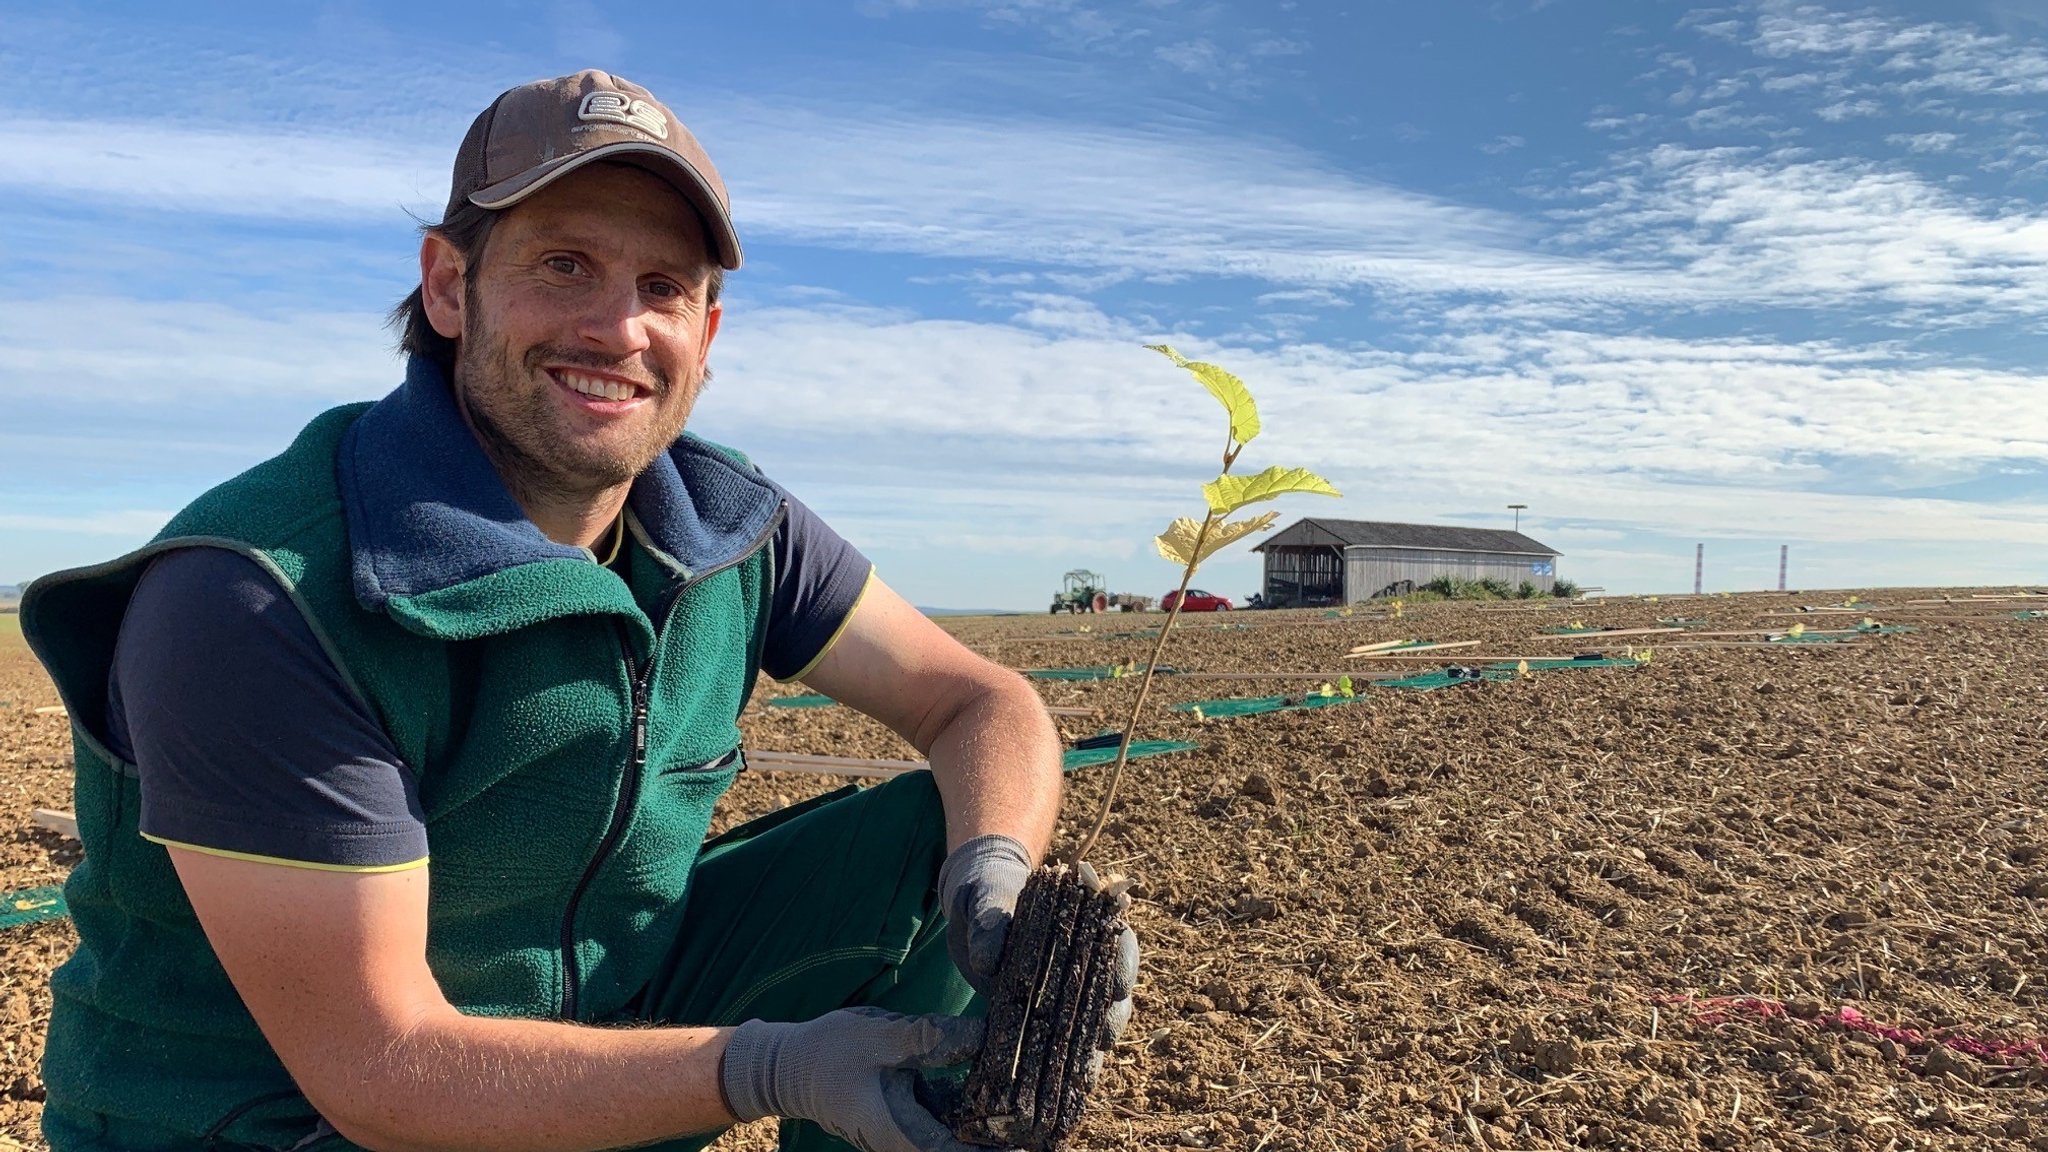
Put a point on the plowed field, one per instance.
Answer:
(1760, 896)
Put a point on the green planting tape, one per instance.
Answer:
(1140, 634)
(1256, 705)
(1568, 630)
(2030, 615)
(802, 702)
(1882, 629)
(1809, 638)
(34, 904)
(1090, 757)
(1549, 665)
(1107, 673)
(1430, 681)
(1681, 622)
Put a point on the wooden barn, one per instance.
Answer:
(1344, 561)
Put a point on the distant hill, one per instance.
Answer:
(10, 592)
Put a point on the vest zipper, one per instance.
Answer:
(641, 678)
(622, 810)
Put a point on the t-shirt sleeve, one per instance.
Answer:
(247, 740)
(819, 580)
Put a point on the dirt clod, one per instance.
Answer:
(1259, 787)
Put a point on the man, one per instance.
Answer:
(504, 620)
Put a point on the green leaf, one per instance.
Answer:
(1229, 493)
(1177, 543)
(1226, 388)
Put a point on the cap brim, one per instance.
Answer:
(673, 168)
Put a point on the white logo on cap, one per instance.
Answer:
(624, 110)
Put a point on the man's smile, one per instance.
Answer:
(601, 390)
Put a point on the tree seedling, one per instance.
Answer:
(1048, 1013)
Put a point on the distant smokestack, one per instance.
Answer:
(1699, 566)
(1784, 550)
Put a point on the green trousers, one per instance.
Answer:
(825, 904)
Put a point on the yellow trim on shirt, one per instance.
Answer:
(836, 632)
(419, 863)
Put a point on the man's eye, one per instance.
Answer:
(663, 289)
(562, 264)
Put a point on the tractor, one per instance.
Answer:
(1082, 591)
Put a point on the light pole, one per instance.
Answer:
(1518, 515)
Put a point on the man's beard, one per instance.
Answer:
(507, 406)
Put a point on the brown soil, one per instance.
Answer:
(1594, 908)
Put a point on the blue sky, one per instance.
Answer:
(1749, 275)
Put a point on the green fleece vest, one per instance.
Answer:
(569, 748)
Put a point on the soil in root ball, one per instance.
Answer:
(1047, 1014)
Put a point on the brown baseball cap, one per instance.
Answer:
(537, 133)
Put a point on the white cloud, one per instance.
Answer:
(1920, 57)
(1783, 228)
(1842, 110)
(156, 352)
(1315, 297)
(1924, 141)
(250, 173)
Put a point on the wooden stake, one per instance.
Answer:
(831, 765)
(1382, 646)
(1384, 649)
(1605, 635)
(1466, 658)
(62, 823)
(1333, 677)
(1752, 644)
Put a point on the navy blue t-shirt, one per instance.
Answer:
(249, 743)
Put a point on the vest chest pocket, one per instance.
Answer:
(676, 804)
(732, 761)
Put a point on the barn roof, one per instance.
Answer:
(1379, 534)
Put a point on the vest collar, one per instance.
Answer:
(438, 542)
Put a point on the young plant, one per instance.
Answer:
(1047, 1015)
(1187, 542)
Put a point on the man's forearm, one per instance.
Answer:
(996, 760)
(492, 1085)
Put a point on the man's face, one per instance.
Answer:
(584, 331)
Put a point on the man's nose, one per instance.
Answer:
(615, 320)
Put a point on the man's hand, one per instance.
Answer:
(978, 888)
(853, 1072)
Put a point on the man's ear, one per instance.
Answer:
(712, 316)
(441, 285)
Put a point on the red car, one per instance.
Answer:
(1198, 601)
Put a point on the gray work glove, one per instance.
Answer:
(978, 888)
(853, 1072)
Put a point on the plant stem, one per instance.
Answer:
(1123, 749)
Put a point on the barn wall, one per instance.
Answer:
(1369, 570)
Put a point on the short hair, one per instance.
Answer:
(468, 230)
